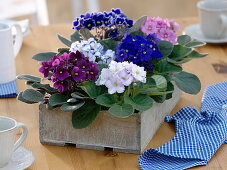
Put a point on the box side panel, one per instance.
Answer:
(106, 131)
(153, 118)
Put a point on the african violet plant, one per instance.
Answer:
(113, 64)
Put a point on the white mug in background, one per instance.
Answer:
(9, 48)
(8, 130)
(213, 18)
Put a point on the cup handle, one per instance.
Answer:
(22, 138)
(18, 39)
(223, 18)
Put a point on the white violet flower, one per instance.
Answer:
(93, 50)
(119, 75)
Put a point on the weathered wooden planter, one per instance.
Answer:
(129, 135)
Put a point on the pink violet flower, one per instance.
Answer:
(163, 28)
(149, 28)
(167, 35)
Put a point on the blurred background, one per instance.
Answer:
(43, 12)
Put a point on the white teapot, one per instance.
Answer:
(9, 48)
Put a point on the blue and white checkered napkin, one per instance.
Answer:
(198, 134)
(8, 90)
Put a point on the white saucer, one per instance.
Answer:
(195, 32)
(21, 159)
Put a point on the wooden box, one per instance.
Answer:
(128, 135)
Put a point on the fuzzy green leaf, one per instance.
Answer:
(139, 102)
(45, 87)
(109, 44)
(137, 25)
(195, 54)
(92, 90)
(106, 100)
(137, 33)
(170, 87)
(179, 52)
(85, 115)
(64, 40)
(159, 98)
(165, 48)
(77, 95)
(20, 97)
(160, 81)
(57, 99)
(121, 111)
(187, 82)
(33, 95)
(72, 100)
(75, 36)
(194, 44)
(44, 56)
(29, 78)
(184, 39)
(164, 66)
(67, 107)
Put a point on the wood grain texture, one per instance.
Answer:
(128, 135)
(69, 158)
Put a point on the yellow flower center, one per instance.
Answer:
(122, 54)
(83, 67)
(154, 49)
(98, 22)
(89, 25)
(144, 52)
(115, 84)
(76, 74)
(133, 39)
(106, 22)
(61, 72)
(135, 57)
(91, 72)
(126, 50)
(137, 72)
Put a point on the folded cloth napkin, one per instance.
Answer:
(198, 134)
(8, 90)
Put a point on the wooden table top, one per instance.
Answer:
(42, 39)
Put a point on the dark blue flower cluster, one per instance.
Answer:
(139, 50)
(106, 19)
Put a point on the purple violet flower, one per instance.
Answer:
(45, 68)
(83, 64)
(78, 74)
(61, 73)
(92, 73)
(61, 86)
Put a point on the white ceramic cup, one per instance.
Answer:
(9, 48)
(213, 18)
(8, 130)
